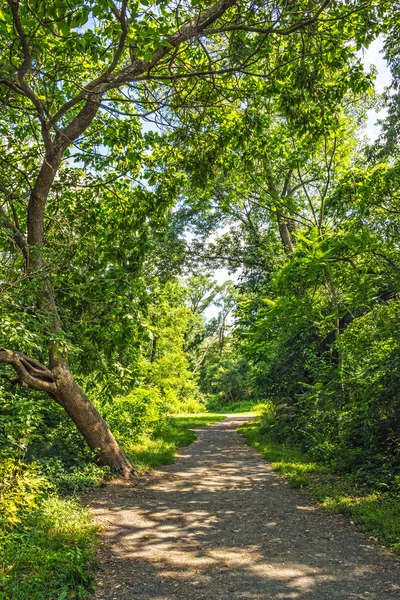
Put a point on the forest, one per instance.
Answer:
(146, 147)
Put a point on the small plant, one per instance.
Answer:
(22, 487)
(375, 511)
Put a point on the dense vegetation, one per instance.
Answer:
(255, 160)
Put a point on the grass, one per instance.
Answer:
(376, 513)
(150, 452)
(50, 554)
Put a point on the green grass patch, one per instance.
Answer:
(376, 513)
(242, 406)
(50, 556)
(160, 449)
(47, 552)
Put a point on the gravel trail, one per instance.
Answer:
(220, 525)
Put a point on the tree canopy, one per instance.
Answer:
(143, 145)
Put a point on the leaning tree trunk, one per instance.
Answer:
(61, 386)
(57, 380)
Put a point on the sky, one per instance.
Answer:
(373, 56)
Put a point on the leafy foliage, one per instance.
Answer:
(108, 230)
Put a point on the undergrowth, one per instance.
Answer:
(241, 406)
(376, 512)
(50, 556)
(47, 540)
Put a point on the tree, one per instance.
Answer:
(165, 364)
(72, 68)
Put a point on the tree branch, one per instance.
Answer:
(18, 237)
(30, 372)
(23, 70)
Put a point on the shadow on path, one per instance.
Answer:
(219, 525)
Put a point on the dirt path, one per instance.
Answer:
(220, 525)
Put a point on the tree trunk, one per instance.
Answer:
(284, 232)
(61, 386)
(88, 421)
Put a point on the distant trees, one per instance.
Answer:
(306, 209)
(76, 77)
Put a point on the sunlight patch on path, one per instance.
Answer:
(220, 525)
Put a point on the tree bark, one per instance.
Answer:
(284, 233)
(88, 421)
(284, 230)
(61, 386)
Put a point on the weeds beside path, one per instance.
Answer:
(373, 509)
(49, 554)
(220, 524)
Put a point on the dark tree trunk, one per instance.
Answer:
(88, 421)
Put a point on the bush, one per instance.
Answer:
(56, 437)
(51, 555)
(21, 414)
(21, 488)
(192, 405)
(349, 418)
(46, 543)
(76, 479)
(143, 411)
(214, 405)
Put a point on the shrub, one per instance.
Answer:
(51, 555)
(21, 488)
(143, 411)
(76, 479)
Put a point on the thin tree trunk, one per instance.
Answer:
(284, 233)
